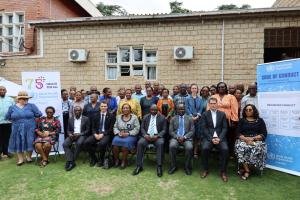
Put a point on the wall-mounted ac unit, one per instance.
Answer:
(78, 55)
(183, 52)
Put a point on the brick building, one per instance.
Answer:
(16, 38)
(124, 50)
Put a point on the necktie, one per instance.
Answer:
(101, 122)
(181, 126)
(152, 125)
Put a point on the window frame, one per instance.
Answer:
(144, 63)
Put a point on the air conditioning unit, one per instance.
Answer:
(183, 52)
(78, 55)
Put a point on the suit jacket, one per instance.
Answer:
(110, 120)
(84, 128)
(209, 129)
(161, 125)
(191, 108)
(189, 128)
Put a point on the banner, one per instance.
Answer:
(45, 90)
(279, 105)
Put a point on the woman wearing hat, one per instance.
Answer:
(22, 115)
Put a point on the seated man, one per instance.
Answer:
(214, 134)
(181, 131)
(78, 128)
(101, 134)
(153, 129)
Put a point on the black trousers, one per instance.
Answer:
(92, 145)
(5, 130)
(72, 153)
(65, 125)
(141, 146)
(223, 154)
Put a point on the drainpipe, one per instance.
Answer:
(222, 65)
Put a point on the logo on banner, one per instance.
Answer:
(38, 82)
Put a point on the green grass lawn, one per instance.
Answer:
(84, 182)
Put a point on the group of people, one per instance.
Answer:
(218, 117)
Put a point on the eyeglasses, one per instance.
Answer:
(249, 109)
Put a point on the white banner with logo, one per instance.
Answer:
(45, 90)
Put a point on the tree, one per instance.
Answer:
(232, 7)
(176, 7)
(109, 10)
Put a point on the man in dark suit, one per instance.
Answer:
(153, 129)
(101, 135)
(78, 128)
(181, 131)
(215, 128)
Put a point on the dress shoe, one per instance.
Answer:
(188, 171)
(93, 163)
(224, 177)
(137, 171)
(159, 171)
(172, 170)
(71, 166)
(204, 174)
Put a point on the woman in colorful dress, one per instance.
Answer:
(22, 115)
(134, 104)
(47, 133)
(165, 105)
(250, 147)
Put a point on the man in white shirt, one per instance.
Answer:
(153, 129)
(250, 98)
(214, 135)
(78, 129)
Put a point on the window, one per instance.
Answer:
(125, 70)
(112, 72)
(10, 19)
(137, 54)
(12, 31)
(10, 45)
(21, 18)
(151, 72)
(138, 70)
(112, 57)
(125, 54)
(131, 61)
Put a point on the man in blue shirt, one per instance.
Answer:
(5, 126)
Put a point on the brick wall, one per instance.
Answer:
(42, 9)
(244, 49)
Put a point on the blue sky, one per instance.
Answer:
(162, 6)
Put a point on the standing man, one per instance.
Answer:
(181, 131)
(66, 105)
(153, 129)
(155, 88)
(101, 135)
(5, 125)
(138, 92)
(250, 98)
(78, 129)
(175, 91)
(182, 96)
(231, 89)
(215, 129)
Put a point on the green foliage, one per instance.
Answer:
(176, 7)
(109, 10)
(232, 7)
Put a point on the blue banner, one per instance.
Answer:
(279, 105)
